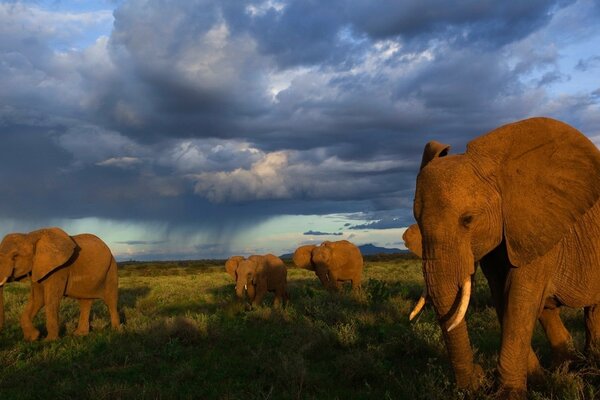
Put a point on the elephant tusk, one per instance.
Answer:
(463, 305)
(245, 287)
(3, 281)
(419, 306)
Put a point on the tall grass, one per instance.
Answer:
(186, 336)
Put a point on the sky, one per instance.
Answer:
(206, 128)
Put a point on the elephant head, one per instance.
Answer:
(246, 278)
(526, 183)
(231, 265)
(303, 257)
(37, 254)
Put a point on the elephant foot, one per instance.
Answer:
(472, 381)
(51, 338)
(535, 373)
(81, 332)
(32, 335)
(508, 393)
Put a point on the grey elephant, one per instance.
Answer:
(258, 275)
(81, 267)
(332, 262)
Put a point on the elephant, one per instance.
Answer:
(494, 267)
(258, 275)
(80, 267)
(333, 262)
(528, 189)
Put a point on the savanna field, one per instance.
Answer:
(185, 335)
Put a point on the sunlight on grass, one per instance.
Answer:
(185, 335)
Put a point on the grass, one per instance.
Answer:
(186, 337)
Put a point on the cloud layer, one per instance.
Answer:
(208, 114)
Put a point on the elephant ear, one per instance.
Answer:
(232, 264)
(303, 257)
(547, 174)
(433, 150)
(53, 249)
(412, 240)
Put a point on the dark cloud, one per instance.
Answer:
(588, 63)
(318, 233)
(223, 114)
(141, 242)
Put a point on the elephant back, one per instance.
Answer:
(89, 266)
(547, 174)
(275, 270)
(346, 259)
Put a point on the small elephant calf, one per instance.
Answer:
(257, 275)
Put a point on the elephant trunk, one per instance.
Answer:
(450, 302)
(240, 290)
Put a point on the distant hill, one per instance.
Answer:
(368, 250)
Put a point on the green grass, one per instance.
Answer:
(185, 336)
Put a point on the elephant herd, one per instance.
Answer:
(522, 202)
(333, 263)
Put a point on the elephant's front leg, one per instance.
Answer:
(495, 268)
(524, 301)
(260, 293)
(33, 306)
(54, 289)
(52, 307)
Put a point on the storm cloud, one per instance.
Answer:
(220, 115)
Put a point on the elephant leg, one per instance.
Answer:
(523, 302)
(52, 303)
(334, 284)
(35, 303)
(111, 297)
(258, 298)
(356, 284)
(592, 331)
(558, 336)
(495, 268)
(83, 327)
(322, 275)
(278, 299)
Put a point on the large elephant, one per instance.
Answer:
(258, 275)
(333, 262)
(530, 189)
(81, 267)
(495, 267)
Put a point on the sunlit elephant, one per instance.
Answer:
(231, 265)
(258, 275)
(333, 262)
(81, 267)
(532, 188)
(495, 266)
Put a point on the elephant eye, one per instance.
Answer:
(466, 219)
